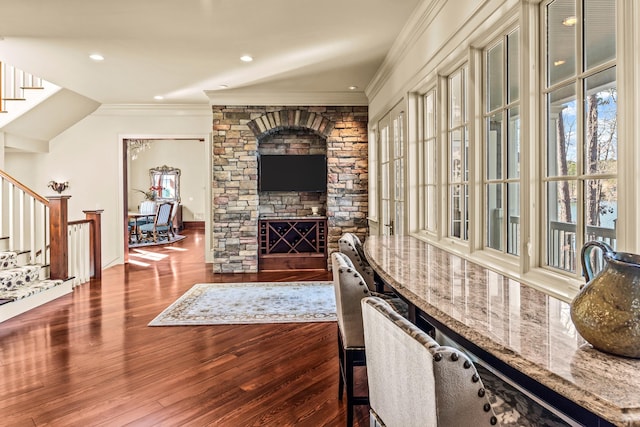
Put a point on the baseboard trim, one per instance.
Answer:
(193, 225)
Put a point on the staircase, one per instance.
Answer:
(23, 287)
(15, 83)
(42, 254)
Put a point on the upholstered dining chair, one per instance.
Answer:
(350, 288)
(161, 223)
(149, 208)
(350, 245)
(174, 211)
(414, 381)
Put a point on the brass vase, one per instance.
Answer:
(606, 311)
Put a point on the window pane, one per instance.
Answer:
(561, 224)
(455, 204)
(456, 156)
(561, 141)
(495, 216)
(430, 118)
(513, 148)
(459, 219)
(398, 147)
(431, 208)
(513, 227)
(465, 155)
(398, 225)
(384, 144)
(494, 146)
(465, 225)
(384, 172)
(398, 167)
(513, 66)
(561, 40)
(601, 210)
(430, 161)
(599, 32)
(463, 89)
(494, 77)
(455, 99)
(601, 123)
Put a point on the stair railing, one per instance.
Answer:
(39, 227)
(13, 83)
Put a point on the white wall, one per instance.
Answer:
(89, 155)
(186, 155)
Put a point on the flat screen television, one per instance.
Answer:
(292, 172)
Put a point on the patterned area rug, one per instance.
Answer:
(247, 303)
(163, 240)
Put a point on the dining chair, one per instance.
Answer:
(161, 223)
(413, 380)
(350, 288)
(148, 207)
(351, 245)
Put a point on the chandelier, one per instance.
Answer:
(136, 146)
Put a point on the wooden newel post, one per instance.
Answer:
(59, 236)
(95, 242)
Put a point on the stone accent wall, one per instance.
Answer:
(237, 133)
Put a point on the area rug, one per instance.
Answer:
(162, 240)
(250, 303)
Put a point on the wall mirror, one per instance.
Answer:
(165, 182)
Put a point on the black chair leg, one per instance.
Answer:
(349, 381)
(340, 368)
(348, 360)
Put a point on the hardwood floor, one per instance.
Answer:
(89, 358)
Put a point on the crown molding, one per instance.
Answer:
(227, 97)
(153, 109)
(424, 14)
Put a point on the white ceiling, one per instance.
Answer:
(181, 48)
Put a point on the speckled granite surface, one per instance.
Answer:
(519, 325)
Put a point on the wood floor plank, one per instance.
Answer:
(89, 358)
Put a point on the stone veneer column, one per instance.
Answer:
(236, 132)
(235, 192)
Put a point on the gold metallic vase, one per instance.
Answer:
(606, 311)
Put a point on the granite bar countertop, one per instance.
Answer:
(519, 325)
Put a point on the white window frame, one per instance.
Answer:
(461, 126)
(576, 82)
(505, 106)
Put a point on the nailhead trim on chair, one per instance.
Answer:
(438, 356)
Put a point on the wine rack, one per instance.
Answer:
(293, 244)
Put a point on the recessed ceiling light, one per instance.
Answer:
(223, 86)
(246, 58)
(569, 21)
(158, 97)
(353, 87)
(96, 57)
